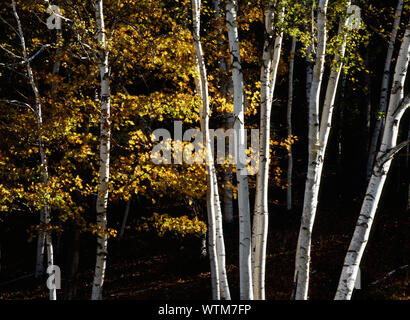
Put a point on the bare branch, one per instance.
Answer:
(19, 104)
(10, 52)
(24, 61)
(403, 104)
(391, 153)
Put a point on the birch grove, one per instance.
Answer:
(398, 104)
(127, 122)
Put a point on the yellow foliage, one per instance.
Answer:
(177, 226)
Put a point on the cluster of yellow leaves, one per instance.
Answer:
(98, 230)
(177, 226)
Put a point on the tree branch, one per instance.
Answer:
(391, 153)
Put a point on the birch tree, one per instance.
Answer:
(270, 61)
(384, 90)
(398, 104)
(44, 237)
(105, 142)
(318, 137)
(245, 267)
(216, 248)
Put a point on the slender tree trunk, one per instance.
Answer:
(302, 260)
(41, 240)
(216, 245)
(388, 148)
(289, 120)
(44, 236)
(245, 267)
(270, 62)
(105, 127)
(384, 91)
(318, 138)
(220, 243)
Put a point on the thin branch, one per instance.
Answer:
(19, 104)
(403, 104)
(10, 26)
(24, 61)
(389, 274)
(10, 52)
(391, 153)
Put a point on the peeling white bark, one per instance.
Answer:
(388, 148)
(216, 246)
(270, 62)
(44, 236)
(318, 137)
(104, 172)
(384, 90)
(245, 267)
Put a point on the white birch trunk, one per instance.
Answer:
(384, 90)
(220, 243)
(289, 120)
(245, 267)
(44, 236)
(270, 62)
(317, 148)
(216, 245)
(105, 135)
(388, 148)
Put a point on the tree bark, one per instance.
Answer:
(318, 139)
(216, 245)
(44, 235)
(105, 136)
(384, 91)
(270, 62)
(245, 267)
(388, 148)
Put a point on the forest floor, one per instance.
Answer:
(147, 267)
